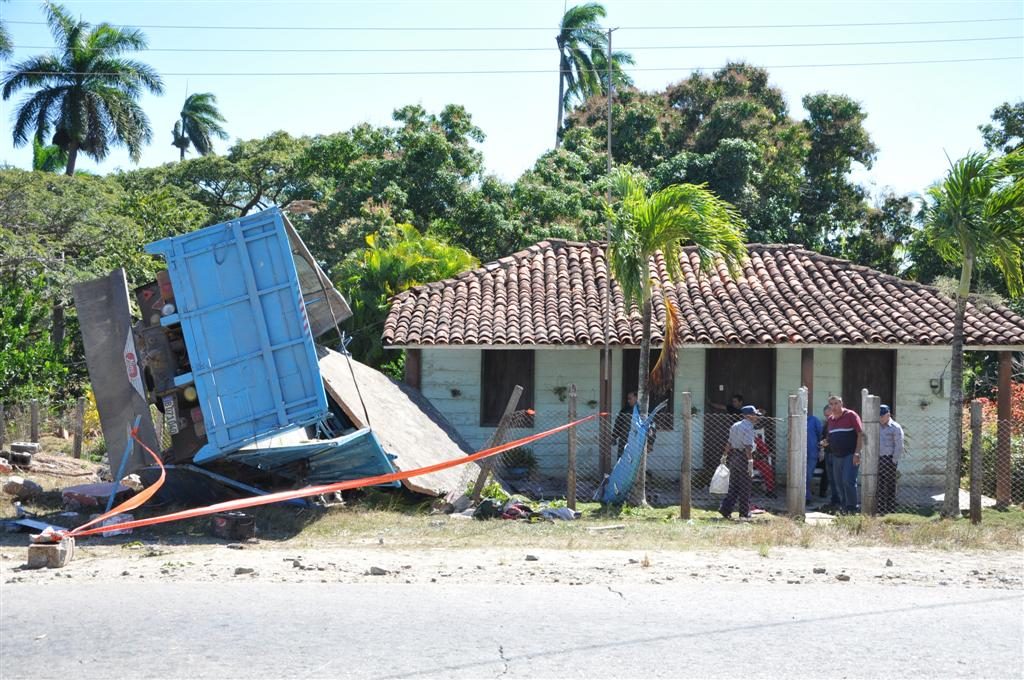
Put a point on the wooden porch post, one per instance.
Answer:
(1003, 475)
(413, 368)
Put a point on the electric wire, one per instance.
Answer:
(425, 29)
(399, 50)
(297, 74)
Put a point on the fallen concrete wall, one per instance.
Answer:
(406, 423)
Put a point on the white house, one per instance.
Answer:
(794, 317)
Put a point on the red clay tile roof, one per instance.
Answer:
(553, 293)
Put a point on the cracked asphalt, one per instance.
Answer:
(255, 629)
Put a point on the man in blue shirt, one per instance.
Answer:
(739, 456)
(890, 450)
(815, 451)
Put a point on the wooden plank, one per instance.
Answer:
(413, 368)
(34, 411)
(497, 438)
(406, 423)
(605, 407)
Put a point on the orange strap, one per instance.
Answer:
(299, 493)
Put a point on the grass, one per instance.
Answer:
(400, 519)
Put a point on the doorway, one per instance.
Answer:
(874, 369)
(750, 372)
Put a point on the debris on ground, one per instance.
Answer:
(112, 520)
(21, 488)
(88, 496)
(133, 482)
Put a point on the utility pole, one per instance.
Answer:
(606, 358)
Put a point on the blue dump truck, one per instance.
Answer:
(218, 358)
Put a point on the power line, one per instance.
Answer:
(536, 28)
(345, 50)
(295, 74)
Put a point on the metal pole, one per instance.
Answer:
(869, 456)
(686, 466)
(570, 476)
(977, 469)
(499, 433)
(796, 463)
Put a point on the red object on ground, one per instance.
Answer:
(763, 464)
(89, 495)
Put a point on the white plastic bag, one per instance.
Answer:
(720, 481)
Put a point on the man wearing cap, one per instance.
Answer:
(846, 439)
(890, 449)
(739, 456)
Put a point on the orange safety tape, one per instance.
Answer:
(303, 493)
(133, 502)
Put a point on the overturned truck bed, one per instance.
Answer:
(408, 426)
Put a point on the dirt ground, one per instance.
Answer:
(381, 564)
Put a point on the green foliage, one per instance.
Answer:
(395, 259)
(1005, 134)
(879, 240)
(519, 457)
(48, 158)
(31, 365)
(87, 93)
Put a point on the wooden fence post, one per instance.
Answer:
(3, 426)
(869, 456)
(1004, 473)
(977, 469)
(487, 465)
(34, 410)
(796, 461)
(686, 465)
(79, 427)
(570, 474)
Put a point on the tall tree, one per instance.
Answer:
(200, 122)
(664, 222)
(6, 44)
(1005, 133)
(87, 93)
(975, 214)
(48, 157)
(579, 36)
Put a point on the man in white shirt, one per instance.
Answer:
(739, 456)
(890, 450)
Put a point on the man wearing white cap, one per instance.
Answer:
(890, 449)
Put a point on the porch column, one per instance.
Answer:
(1003, 494)
(807, 375)
(413, 368)
(605, 406)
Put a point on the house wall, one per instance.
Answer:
(451, 380)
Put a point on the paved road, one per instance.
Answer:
(264, 630)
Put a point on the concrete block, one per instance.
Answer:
(51, 555)
(26, 447)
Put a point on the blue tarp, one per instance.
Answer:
(615, 487)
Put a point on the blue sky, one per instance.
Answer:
(917, 113)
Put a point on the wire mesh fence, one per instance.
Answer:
(910, 478)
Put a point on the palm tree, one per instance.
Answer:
(665, 221)
(579, 37)
(620, 78)
(200, 120)
(975, 214)
(87, 93)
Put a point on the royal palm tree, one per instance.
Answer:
(664, 222)
(87, 93)
(975, 214)
(200, 121)
(579, 37)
